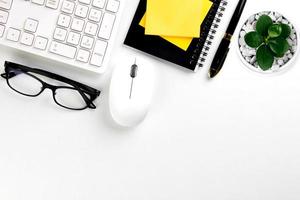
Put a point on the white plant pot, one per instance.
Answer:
(248, 26)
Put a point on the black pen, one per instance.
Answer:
(223, 49)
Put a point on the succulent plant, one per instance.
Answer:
(270, 41)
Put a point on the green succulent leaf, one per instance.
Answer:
(275, 30)
(253, 39)
(264, 57)
(279, 46)
(286, 31)
(263, 24)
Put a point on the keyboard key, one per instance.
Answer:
(39, 2)
(83, 55)
(91, 28)
(2, 29)
(77, 24)
(73, 38)
(87, 42)
(62, 49)
(3, 16)
(64, 20)
(6, 4)
(27, 39)
(60, 34)
(41, 43)
(13, 34)
(99, 53)
(31, 25)
(107, 26)
(95, 15)
(53, 4)
(100, 47)
(85, 1)
(113, 5)
(68, 7)
(81, 11)
(98, 3)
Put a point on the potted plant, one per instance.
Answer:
(267, 41)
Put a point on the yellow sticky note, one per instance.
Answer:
(181, 42)
(176, 17)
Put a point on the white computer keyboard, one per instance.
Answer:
(79, 33)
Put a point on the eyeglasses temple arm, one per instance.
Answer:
(88, 101)
(4, 75)
(8, 75)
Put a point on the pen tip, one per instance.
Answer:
(208, 75)
(211, 74)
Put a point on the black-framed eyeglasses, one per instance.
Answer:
(24, 80)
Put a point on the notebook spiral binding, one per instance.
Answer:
(208, 33)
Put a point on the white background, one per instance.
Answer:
(235, 137)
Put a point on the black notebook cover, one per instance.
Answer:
(163, 49)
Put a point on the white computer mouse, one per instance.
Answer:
(131, 90)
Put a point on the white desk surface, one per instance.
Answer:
(235, 137)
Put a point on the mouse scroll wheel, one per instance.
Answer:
(133, 71)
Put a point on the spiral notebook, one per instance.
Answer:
(201, 50)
